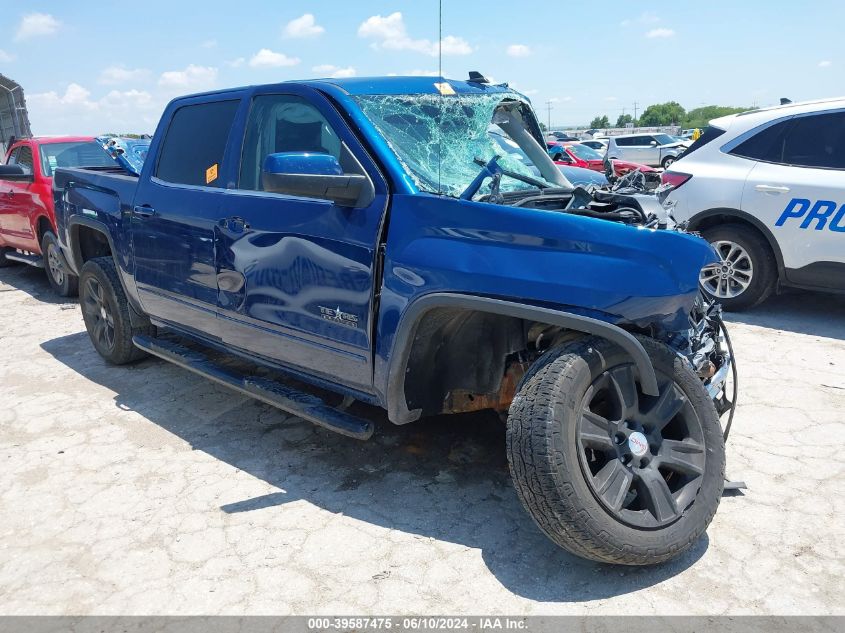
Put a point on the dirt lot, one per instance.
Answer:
(147, 489)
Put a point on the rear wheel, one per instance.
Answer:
(105, 311)
(63, 283)
(607, 472)
(747, 273)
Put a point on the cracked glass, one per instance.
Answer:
(438, 138)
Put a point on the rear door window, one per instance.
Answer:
(817, 140)
(193, 146)
(766, 145)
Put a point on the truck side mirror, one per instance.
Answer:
(15, 173)
(315, 175)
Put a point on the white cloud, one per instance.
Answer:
(328, 70)
(265, 58)
(303, 26)
(389, 32)
(518, 50)
(611, 99)
(120, 75)
(6, 57)
(826, 63)
(192, 79)
(209, 44)
(653, 33)
(530, 92)
(35, 24)
(236, 63)
(75, 111)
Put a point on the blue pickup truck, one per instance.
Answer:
(368, 240)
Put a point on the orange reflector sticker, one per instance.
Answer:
(211, 174)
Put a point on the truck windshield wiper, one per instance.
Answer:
(492, 169)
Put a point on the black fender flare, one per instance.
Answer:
(397, 410)
(136, 313)
(695, 220)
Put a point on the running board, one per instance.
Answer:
(299, 403)
(32, 260)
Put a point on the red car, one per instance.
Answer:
(27, 220)
(578, 155)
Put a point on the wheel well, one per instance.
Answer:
(88, 243)
(43, 227)
(704, 222)
(468, 360)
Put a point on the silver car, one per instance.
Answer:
(655, 150)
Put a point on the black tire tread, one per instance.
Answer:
(536, 470)
(124, 351)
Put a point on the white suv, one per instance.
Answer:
(767, 189)
(655, 150)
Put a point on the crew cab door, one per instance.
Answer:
(799, 194)
(296, 274)
(20, 202)
(175, 212)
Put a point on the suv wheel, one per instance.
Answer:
(606, 472)
(105, 311)
(747, 272)
(63, 283)
(667, 162)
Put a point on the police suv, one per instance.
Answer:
(767, 189)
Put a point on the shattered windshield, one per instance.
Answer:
(438, 139)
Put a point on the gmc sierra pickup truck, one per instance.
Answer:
(27, 222)
(369, 239)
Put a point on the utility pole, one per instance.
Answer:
(635, 112)
(549, 115)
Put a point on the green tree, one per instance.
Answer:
(669, 113)
(600, 122)
(700, 117)
(624, 119)
(542, 126)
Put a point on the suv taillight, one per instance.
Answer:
(674, 179)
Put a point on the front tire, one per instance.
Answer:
(747, 273)
(667, 162)
(63, 283)
(606, 472)
(105, 311)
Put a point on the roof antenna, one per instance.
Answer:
(785, 101)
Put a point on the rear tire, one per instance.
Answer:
(558, 457)
(753, 265)
(105, 311)
(63, 283)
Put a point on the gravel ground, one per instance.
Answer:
(148, 490)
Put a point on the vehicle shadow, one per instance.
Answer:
(32, 281)
(445, 478)
(803, 312)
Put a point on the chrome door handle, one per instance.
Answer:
(235, 224)
(143, 211)
(772, 189)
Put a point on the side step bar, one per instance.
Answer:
(299, 403)
(32, 260)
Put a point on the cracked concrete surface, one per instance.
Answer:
(149, 490)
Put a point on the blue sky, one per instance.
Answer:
(90, 67)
